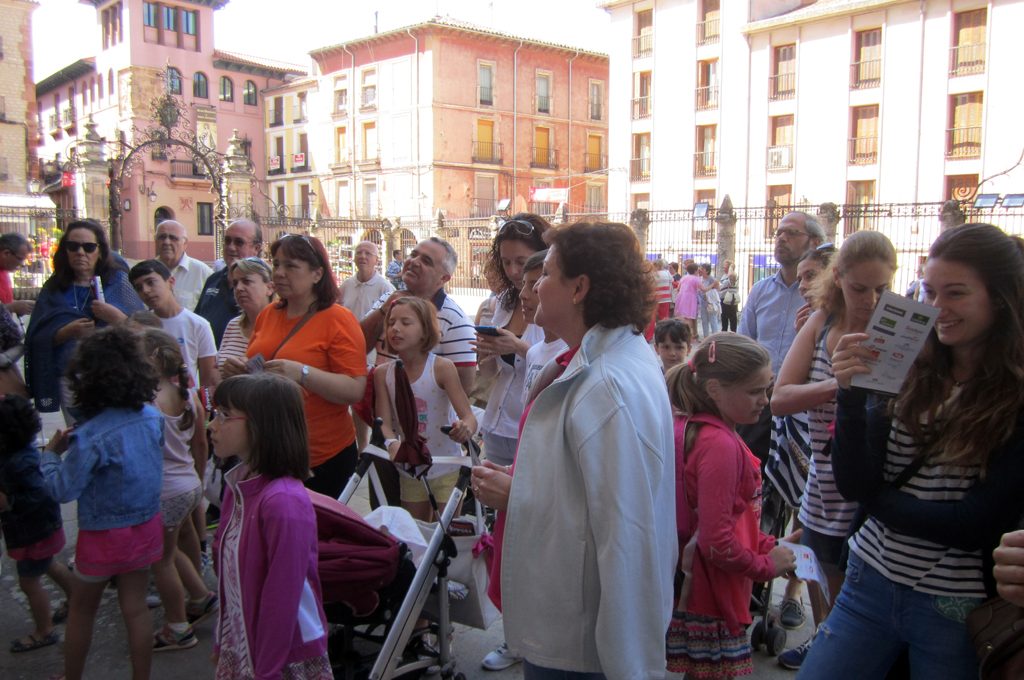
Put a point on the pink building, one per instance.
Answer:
(147, 48)
(447, 116)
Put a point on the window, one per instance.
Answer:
(110, 83)
(188, 22)
(341, 100)
(595, 199)
(369, 89)
(484, 148)
(783, 80)
(485, 84)
(640, 165)
(170, 16)
(341, 154)
(967, 54)
(99, 84)
(344, 200)
(705, 196)
(149, 14)
(963, 138)
(304, 201)
(704, 158)
(708, 29)
(779, 198)
(370, 150)
(961, 187)
(485, 195)
(593, 159)
(227, 89)
(173, 80)
(707, 85)
(643, 35)
(866, 70)
(641, 95)
(280, 197)
(543, 87)
(301, 160)
(369, 206)
(249, 93)
(200, 86)
(857, 215)
(300, 116)
(543, 154)
(596, 99)
(780, 148)
(204, 219)
(276, 112)
(863, 135)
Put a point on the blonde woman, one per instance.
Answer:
(250, 279)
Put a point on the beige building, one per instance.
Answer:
(17, 95)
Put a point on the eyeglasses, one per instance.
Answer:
(222, 418)
(521, 227)
(236, 241)
(75, 246)
(790, 233)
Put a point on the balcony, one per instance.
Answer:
(187, 170)
(707, 32)
(641, 108)
(276, 118)
(370, 160)
(68, 118)
(295, 212)
(300, 162)
(543, 157)
(965, 60)
(487, 152)
(863, 151)
(594, 161)
(368, 101)
(543, 103)
(643, 45)
(640, 169)
(484, 95)
(865, 74)
(707, 97)
(963, 142)
(780, 157)
(275, 166)
(704, 164)
(54, 124)
(782, 86)
(484, 207)
(595, 208)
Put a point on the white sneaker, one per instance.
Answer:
(500, 659)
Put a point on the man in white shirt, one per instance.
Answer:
(360, 291)
(189, 273)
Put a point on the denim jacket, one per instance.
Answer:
(113, 467)
(34, 515)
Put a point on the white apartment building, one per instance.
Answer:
(847, 101)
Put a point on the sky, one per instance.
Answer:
(65, 30)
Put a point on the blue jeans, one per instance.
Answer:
(874, 619)
(710, 322)
(531, 672)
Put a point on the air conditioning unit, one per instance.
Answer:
(780, 157)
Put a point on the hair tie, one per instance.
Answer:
(711, 352)
(692, 366)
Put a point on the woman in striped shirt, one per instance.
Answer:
(923, 558)
(250, 279)
(846, 294)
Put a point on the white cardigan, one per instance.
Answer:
(590, 540)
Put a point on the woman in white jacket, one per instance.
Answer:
(589, 547)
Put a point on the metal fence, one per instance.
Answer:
(43, 228)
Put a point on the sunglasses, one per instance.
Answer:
(521, 227)
(236, 241)
(305, 239)
(75, 246)
(826, 248)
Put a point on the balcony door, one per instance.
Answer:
(485, 140)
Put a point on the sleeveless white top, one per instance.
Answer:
(180, 474)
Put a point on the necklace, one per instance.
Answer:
(79, 306)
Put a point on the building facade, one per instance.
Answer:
(781, 102)
(440, 118)
(17, 95)
(147, 49)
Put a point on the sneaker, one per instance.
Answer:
(168, 641)
(500, 659)
(200, 612)
(792, 659)
(791, 614)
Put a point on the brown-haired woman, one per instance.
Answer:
(594, 473)
(310, 339)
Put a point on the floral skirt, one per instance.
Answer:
(315, 668)
(704, 649)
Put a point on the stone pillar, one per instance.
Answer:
(236, 188)
(639, 220)
(828, 216)
(725, 219)
(951, 215)
(91, 175)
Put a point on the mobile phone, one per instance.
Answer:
(255, 365)
(487, 330)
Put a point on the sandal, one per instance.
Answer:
(31, 643)
(199, 612)
(60, 615)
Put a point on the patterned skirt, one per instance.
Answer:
(704, 649)
(230, 667)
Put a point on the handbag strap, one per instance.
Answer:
(293, 331)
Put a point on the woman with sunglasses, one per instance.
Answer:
(71, 306)
(250, 279)
(309, 338)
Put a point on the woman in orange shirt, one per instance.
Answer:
(309, 338)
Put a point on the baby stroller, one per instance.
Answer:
(412, 593)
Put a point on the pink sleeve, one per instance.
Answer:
(718, 466)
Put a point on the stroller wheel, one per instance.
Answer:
(776, 640)
(757, 635)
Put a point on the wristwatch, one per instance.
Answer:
(303, 374)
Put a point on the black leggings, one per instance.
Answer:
(729, 317)
(331, 476)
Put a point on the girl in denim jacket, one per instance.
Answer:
(111, 463)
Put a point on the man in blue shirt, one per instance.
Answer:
(770, 313)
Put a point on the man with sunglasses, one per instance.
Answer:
(770, 313)
(242, 239)
(188, 272)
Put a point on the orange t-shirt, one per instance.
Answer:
(332, 341)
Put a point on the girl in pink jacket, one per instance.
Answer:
(271, 623)
(718, 506)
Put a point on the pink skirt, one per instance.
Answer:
(118, 551)
(40, 550)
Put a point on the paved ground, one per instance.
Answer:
(108, 658)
